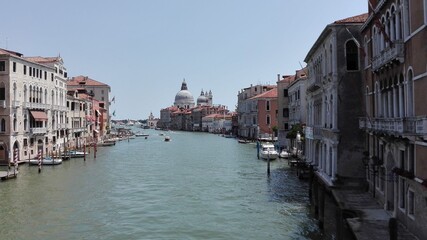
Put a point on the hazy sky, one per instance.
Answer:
(144, 49)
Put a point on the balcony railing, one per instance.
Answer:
(2, 103)
(38, 130)
(402, 126)
(36, 105)
(394, 52)
(314, 83)
(16, 104)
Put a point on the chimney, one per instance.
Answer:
(278, 77)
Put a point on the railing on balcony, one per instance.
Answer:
(394, 52)
(314, 83)
(2, 103)
(404, 126)
(16, 104)
(38, 130)
(35, 105)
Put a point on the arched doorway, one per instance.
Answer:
(390, 164)
(3, 154)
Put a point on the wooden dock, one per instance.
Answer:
(4, 175)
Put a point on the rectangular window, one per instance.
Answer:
(285, 112)
(25, 70)
(14, 66)
(268, 120)
(31, 71)
(267, 105)
(411, 202)
(285, 92)
(2, 66)
(34, 72)
(51, 76)
(45, 75)
(286, 126)
(402, 194)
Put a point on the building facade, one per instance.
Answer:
(247, 110)
(395, 124)
(32, 106)
(333, 143)
(99, 91)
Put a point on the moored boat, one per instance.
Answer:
(75, 154)
(268, 151)
(46, 161)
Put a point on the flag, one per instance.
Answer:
(379, 25)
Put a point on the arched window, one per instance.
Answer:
(352, 57)
(15, 123)
(410, 91)
(14, 92)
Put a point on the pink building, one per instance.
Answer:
(266, 106)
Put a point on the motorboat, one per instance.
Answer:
(167, 138)
(268, 151)
(141, 135)
(244, 141)
(75, 154)
(284, 154)
(46, 161)
(107, 143)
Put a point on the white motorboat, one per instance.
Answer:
(268, 151)
(75, 154)
(141, 135)
(284, 154)
(107, 143)
(167, 138)
(46, 161)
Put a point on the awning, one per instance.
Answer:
(39, 115)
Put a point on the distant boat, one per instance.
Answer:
(141, 135)
(107, 143)
(75, 154)
(167, 138)
(46, 161)
(243, 141)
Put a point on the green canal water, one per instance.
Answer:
(197, 186)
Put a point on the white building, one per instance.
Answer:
(32, 105)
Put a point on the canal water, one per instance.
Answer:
(197, 186)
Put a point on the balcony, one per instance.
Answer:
(2, 103)
(38, 131)
(16, 104)
(36, 105)
(388, 55)
(413, 126)
(314, 83)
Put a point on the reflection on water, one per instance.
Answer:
(197, 186)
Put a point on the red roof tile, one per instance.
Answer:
(355, 19)
(82, 80)
(269, 94)
(39, 59)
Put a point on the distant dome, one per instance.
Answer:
(184, 98)
(202, 99)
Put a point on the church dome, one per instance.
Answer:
(202, 99)
(184, 98)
